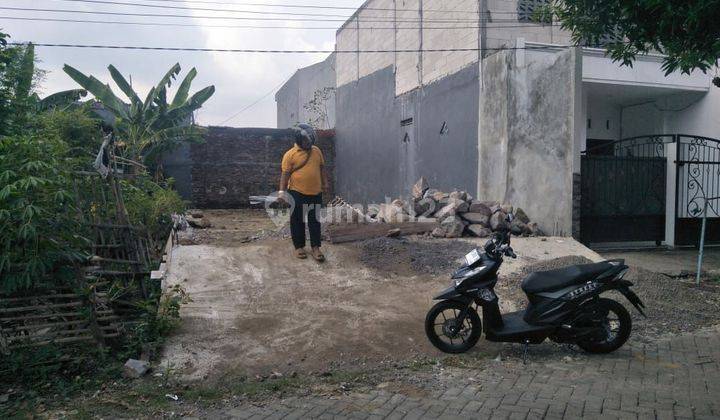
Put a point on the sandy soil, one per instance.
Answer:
(255, 310)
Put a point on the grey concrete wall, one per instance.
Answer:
(377, 157)
(177, 165)
(527, 133)
(299, 91)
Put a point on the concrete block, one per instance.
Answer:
(135, 368)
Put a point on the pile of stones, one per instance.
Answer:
(457, 213)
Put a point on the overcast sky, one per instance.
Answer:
(239, 78)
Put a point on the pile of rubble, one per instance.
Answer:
(457, 213)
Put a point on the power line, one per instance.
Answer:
(87, 12)
(237, 114)
(194, 25)
(247, 50)
(202, 9)
(312, 6)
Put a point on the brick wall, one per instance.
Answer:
(235, 163)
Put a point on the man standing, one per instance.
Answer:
(304, 178)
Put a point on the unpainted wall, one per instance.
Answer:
(294, 97)
(385, 143)
(235, 163)
(527, 134)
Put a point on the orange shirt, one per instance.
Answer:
(306, 180)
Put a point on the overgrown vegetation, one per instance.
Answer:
(46, 210)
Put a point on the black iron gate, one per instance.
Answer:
(698, 178)
(623, 189)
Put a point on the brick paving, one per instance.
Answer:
(671, 378)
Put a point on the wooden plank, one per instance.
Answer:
(35, 307)
(70, 332)
(357, 232)
(59, 324)
(62, 341)
(54, 315)
(97, 259)
(3, 343)
(111, 273)
(58, 296)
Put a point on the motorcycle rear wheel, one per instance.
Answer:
(443, 331)
(617, 322)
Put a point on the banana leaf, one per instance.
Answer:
(123, 84)
(61, 99)
(102, 92)
(184, 90)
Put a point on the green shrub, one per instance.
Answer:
(40, 235)
(151, 205)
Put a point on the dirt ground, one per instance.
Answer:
(231, 228)
(256, 310)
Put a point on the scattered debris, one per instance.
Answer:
(199, 223)
(4, 398)
(394, 233)
(135, 368)
(172, 397)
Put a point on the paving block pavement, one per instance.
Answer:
(675, 378)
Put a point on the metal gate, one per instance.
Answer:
(623, 188)
(698, 178)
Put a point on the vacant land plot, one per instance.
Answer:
(257, 310)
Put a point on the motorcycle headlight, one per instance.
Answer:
(469, 274)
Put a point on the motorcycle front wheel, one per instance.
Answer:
(444, 331)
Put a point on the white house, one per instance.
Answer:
(474, 95)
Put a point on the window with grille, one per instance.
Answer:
(529, 10)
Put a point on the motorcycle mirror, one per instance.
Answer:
(510, 218)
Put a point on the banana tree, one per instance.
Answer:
(148, 127)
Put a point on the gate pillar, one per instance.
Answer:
(671, 194)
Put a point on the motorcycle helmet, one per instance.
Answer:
(305, 136)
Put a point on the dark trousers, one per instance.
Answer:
(309, 204)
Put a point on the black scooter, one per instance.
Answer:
(563, 305)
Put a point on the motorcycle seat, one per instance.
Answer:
(552, 280)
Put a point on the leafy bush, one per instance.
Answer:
(40, 235)
(151, 205)
(159, 316)
(75, 127)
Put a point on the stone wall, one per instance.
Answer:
(235, 163)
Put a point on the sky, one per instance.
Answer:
(239, 78)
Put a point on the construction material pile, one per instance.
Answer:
(456, 213)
